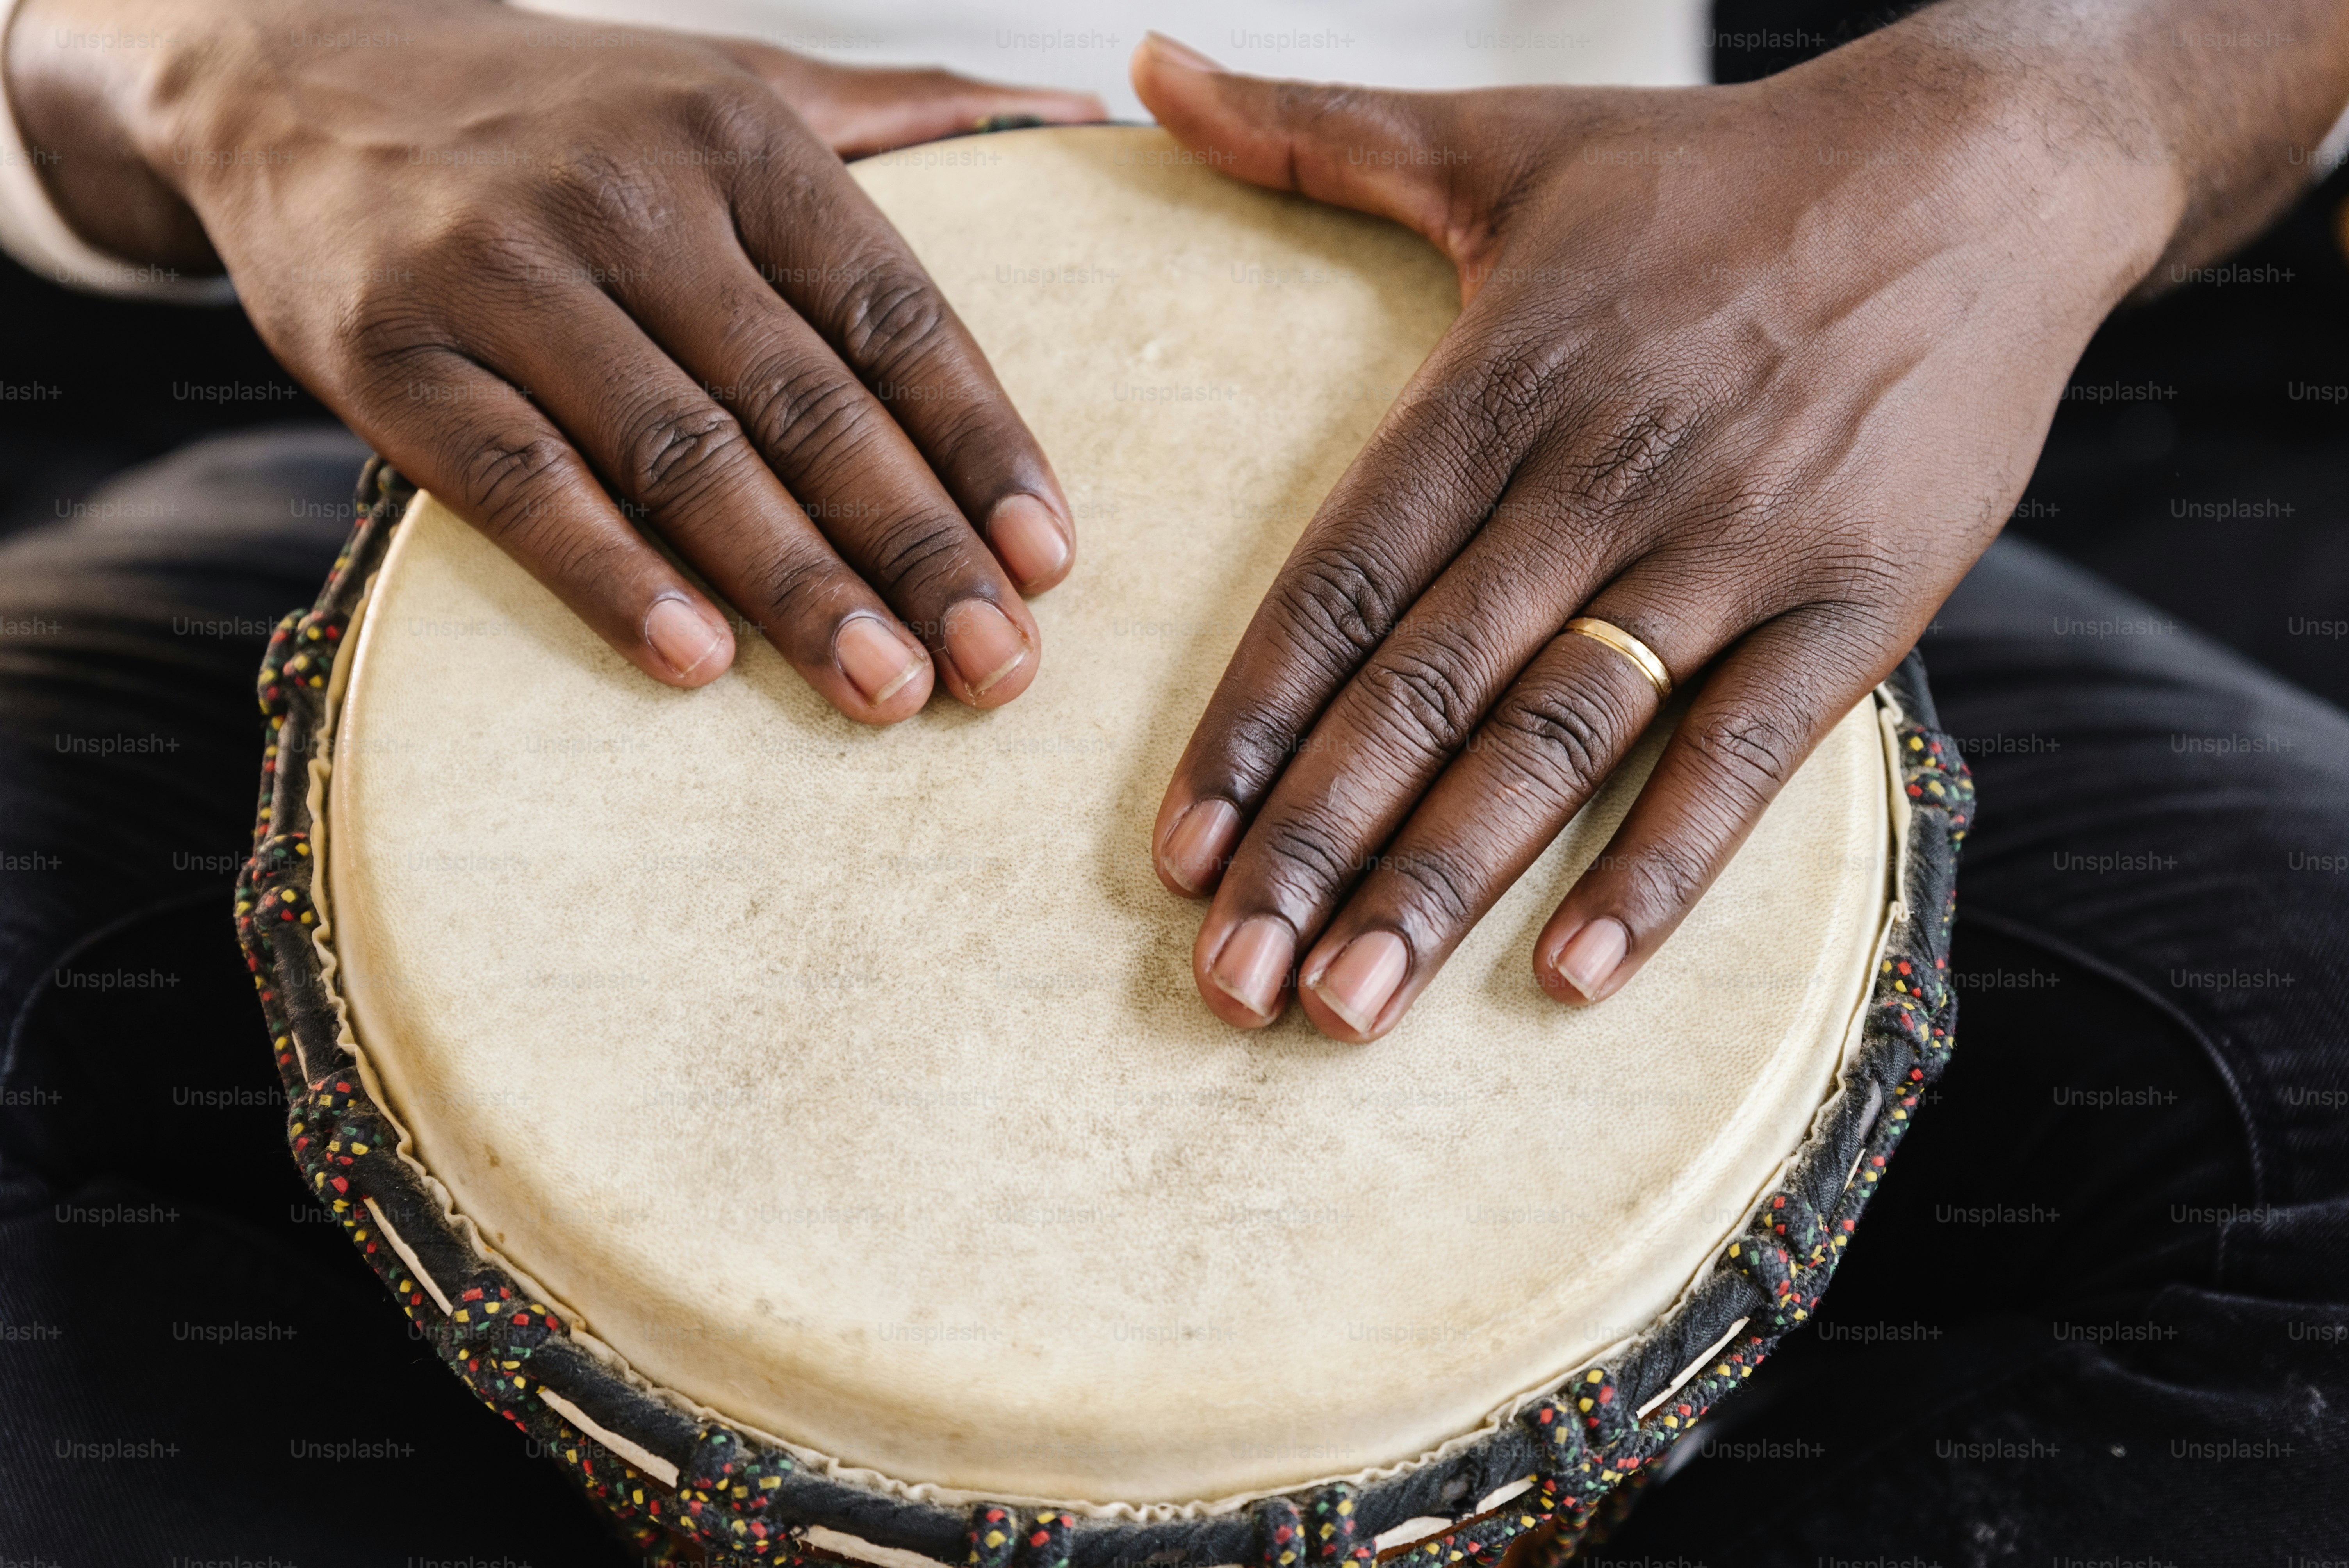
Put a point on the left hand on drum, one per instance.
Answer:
(526, 258)
(1758, 408)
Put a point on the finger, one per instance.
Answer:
(476, 442)
(1392, 522)
(838, 263)
(1560, 728)
(852, 466)
(1758, 717)
(1387, 736)
(1552, 740)
(1375, 150)
(664, 444)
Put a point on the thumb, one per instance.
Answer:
(861, 109)
(1372, 149)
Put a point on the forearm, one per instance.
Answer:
(2204, 114)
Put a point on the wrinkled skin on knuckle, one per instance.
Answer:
(1638, 454)
(1302, 859)
(1428, 701)
(1855, 570)
(808, 412)
(676, 452)
(893, 322)
(1335, 605)
(1557, 742)
(1660, 882)
(1240, 756)
(1749, 753)
(581, 556)
(505, 476)
(1434, 891)
(476, 260)
(731, 112)
(599, 184)
(803, 594)
(1526, 380)
(395, 361)
(921, 559)
(1302, 103)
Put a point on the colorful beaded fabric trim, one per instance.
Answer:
(688, 1489)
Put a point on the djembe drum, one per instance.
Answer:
(817, 1177)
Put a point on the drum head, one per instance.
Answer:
(851, 1085)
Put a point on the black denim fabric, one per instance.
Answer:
(2100, 1311)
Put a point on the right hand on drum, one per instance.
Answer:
(517, 253)
(1745, 380)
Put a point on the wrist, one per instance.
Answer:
(77, 73)
(2045, 147)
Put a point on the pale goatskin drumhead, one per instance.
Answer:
(851, 1084)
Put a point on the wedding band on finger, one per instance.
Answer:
(1630, 646)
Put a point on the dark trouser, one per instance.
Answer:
(2101, 1309)
(2097, 1310)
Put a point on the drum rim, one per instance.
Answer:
(656, 1458)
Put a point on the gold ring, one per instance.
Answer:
(1630, 646)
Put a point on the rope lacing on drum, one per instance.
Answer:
(998, 1539)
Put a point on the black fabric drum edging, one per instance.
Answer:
(683, 1489)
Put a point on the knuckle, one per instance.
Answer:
(1637, 454)
(1517, 386)
(921, 558)
(403, 364)
(725, 112)
(1300, 105)
(1748, 754)
(805, 590)
(1441, 891)
(585, 557)
(806, 414)
(1307, 859)
(891, 320)
(1559, 740)
(390, 327)
(475, 250)
(605, 188)
(675, 449)
(1664, 877)
(1251, 749)
(1427, 693)
(506, 476)
(1337, 605)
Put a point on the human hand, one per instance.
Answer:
(1753, 373)
(516, 252)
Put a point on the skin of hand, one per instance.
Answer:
(1754, 373)
(526, 258)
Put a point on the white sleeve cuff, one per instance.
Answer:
(31, 231)
(2328, 157)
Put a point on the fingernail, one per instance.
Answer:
(1252, 964)
(679, 635)
(1360, 980)
(1586, 962)
(874, 659)
(986, 645)
(1025, 533)
(1199, 842)
(1182, 54)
